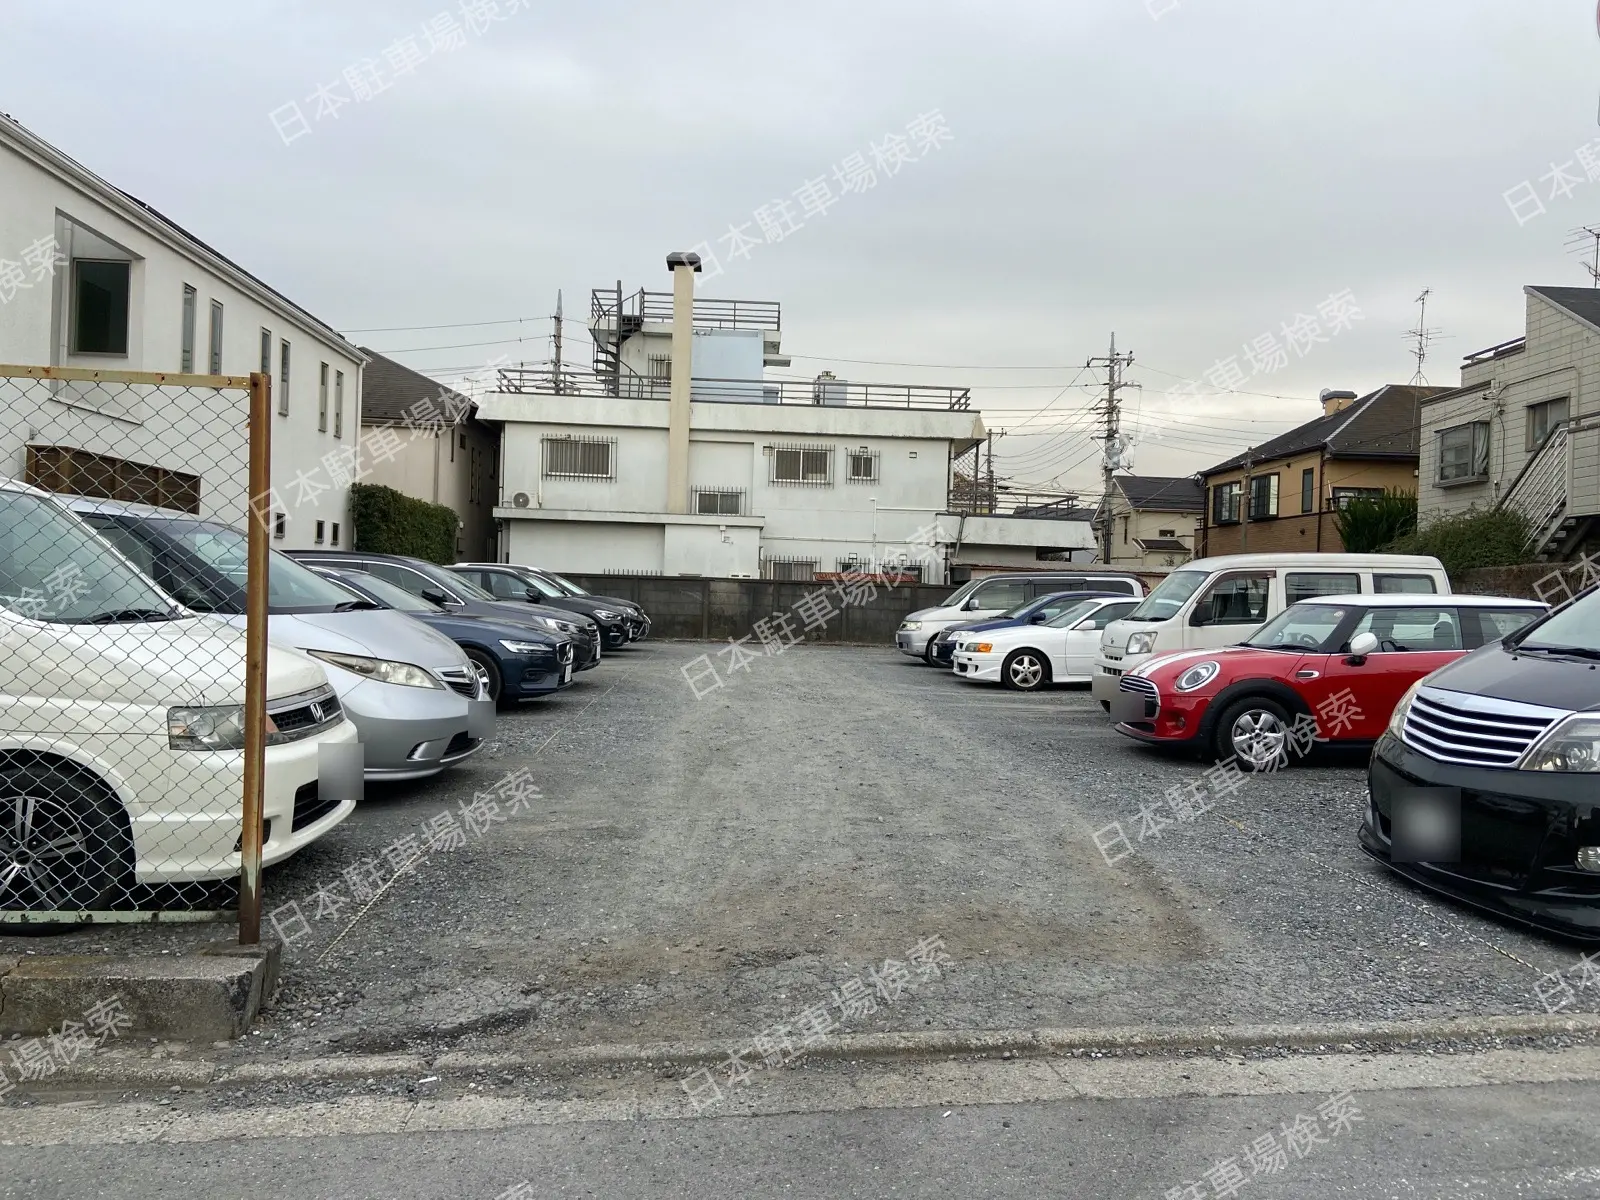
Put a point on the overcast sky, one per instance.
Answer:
(1192, 181)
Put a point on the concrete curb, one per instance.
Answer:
(210, 995)
(124, 1071)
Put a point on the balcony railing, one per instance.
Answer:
(826, 393)
(607, 304)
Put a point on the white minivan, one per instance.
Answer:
(122, 727)
(1215, 602)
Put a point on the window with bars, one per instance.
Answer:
(789, 570)
(580, 458)
(863, 466)
(811, 465)
(660, 367)
(723, 502)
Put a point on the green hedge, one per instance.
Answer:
(1496, 537)
(390, 522)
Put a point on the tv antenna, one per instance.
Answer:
(1423, 336)
(1579, 242)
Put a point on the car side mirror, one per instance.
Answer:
(971, 605)
(1038, 618)
(1201, 615)
(1362, 645)
(435, 595)
(532, 594)
(1086, 623)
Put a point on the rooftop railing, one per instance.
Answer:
(607, 304)
(824, 393)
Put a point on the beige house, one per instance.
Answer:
(1155, 520)
(1523, 429)
(425, 441)
(1284, 495)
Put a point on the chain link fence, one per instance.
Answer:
(125, 744)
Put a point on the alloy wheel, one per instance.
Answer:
(1259, 738)
(43, 845)
(1026, 671)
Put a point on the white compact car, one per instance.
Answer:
(122, 726)
(1027, 657)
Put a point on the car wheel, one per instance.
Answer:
(489, 675)
(63, 840)
(927, 653)
(1255, 731)
(1025, 671)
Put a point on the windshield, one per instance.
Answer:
(53, 568)
(385, 592)
(1299, 627)
(1169, 596)
(572, 588)
(291, 586)
(1074, 614)
(960, 594)
(541, 585)
(1575, 627)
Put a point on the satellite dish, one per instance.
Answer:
(520, 500)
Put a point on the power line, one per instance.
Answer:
(459, 325)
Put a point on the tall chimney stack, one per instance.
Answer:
(683, 267)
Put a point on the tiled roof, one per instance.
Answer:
(1381, 424)
(1162, 493)
(390, 391)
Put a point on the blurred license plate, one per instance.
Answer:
(566, 673)
(1127, 706)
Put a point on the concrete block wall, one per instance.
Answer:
(718, 609)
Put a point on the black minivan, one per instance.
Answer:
(1486, 786)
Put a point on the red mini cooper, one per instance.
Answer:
(1325, 670)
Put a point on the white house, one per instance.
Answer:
(1523, 429)
(674, 455)
(91, 277)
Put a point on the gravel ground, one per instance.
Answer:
(700, 870)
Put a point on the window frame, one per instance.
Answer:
(1448, 611)
(1339, 498)
(334, 539)
(1542, 408)
(1308, 490)
(1351, 576)
(214, 340)
(338, 404)
(802, 479)
(1379, 590)
(322, 397)
(75, 306)
(546, 456)
(700, 494)
(1272, 495)
(1473, 474)
(873, 459)
(1204, 599)
(1231, 495)
(189, 324)
(283, 377)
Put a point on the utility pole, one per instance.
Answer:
(558, 342)
(989, 505)
(1111, 411)
(1244, 501)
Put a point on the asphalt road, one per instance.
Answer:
(705, 869)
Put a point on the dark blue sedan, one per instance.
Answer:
(515, 662)
(1034, 612)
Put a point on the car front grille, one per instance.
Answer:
(1476, 731)
(460, 744)
(1140, 686)
(461, 680)
(1110, 657)
(310, 806)
(304, 715)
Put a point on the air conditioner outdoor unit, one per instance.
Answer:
(520, 500)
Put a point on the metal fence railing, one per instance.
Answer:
(148, 754)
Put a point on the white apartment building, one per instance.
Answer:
(129, 290)
(673, 454)
(1523, 429)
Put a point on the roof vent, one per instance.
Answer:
(1335, 401)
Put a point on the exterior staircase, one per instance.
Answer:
(1540, 494)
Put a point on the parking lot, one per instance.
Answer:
(702, 870)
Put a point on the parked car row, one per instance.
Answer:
(1482, 713)
(121, 716)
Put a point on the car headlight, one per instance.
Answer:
(1142, 643)
(525, 647)
(910, 625)
(566, 627)
(981, 647)
(605, 614)
(1572, 746)
(1397, 719)
(220, 728)
(1197, 676)
(381, 669)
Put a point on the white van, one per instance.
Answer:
(122, 726)
(1215, 602)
